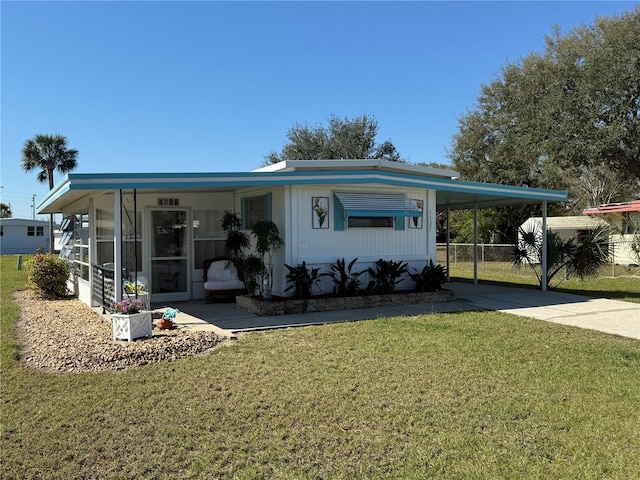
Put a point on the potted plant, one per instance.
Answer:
(166, 322)
(267, 242)
(130, 321)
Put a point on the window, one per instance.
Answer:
(75, 244)
(208, 236)
(31, 231)
(104, 236)
(255, 209)
(39, 231)
(1, 230)
(80, 254)
(369, 222)
(372, 210)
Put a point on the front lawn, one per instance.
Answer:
(470, 395)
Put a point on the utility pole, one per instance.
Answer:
(33, 206)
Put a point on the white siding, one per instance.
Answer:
(321, 247)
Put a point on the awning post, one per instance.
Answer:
(117, 245)
(544, 245)
(447, 243)
(475, 244)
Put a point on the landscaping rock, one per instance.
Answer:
(66, 336)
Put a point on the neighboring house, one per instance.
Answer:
(21, 236)
(162, 227)
(624, 219)
(565, 227)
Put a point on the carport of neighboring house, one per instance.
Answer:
(287, 190)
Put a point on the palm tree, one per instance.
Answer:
(5, 210)
(48, 153)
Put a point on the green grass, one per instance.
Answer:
(625, 286)
(470, 395)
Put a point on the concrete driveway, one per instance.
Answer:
(610, 316)
(604, 315)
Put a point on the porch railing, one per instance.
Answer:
(104, 293)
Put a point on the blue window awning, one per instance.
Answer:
(377, 205)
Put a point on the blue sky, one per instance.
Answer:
(214, 86)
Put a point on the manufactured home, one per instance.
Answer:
(160, 228)
(624, 220)
(23, 236)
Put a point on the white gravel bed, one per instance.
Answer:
(65, 336)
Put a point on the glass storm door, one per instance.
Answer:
(169, 255)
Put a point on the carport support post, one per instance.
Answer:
(475, 244)
(448, 241)
(117, 245)
(544, 246)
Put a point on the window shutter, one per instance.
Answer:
(338, 215)
(268, 212)
(243, 212)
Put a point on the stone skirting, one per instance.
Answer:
(284, 307)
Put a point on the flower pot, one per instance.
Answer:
(164, 324)
(128, 326)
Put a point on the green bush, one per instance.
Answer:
(430, 279)
(48, 275)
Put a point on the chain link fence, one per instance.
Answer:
(620, 256)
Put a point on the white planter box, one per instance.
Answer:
(130, 326)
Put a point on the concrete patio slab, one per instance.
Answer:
(610, 316)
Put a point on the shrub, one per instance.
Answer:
(303, 280)
(48, 275)
(345, 281)
(430, 278)
(386, 276)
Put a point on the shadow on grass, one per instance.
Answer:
(495, 283)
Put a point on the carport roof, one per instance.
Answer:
(450, 192)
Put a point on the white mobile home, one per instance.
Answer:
(575, 226)
(162, 227)
(624, 219)
(23, 236)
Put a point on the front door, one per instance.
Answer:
(169, 255)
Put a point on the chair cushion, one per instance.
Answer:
(219, 272)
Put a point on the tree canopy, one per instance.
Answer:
(567, 118)
(5, 210)
(562, 118)
(343, 138)
(48, 154)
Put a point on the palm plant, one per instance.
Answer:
(303, 280)
(5, 210)
(386, 276)
(576, 259)
(48, 154)
(345, 280)
(430, 278)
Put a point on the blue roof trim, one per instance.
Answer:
(249, 179)
(114, 181)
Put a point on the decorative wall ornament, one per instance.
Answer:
(416, 222)
(320, 215)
